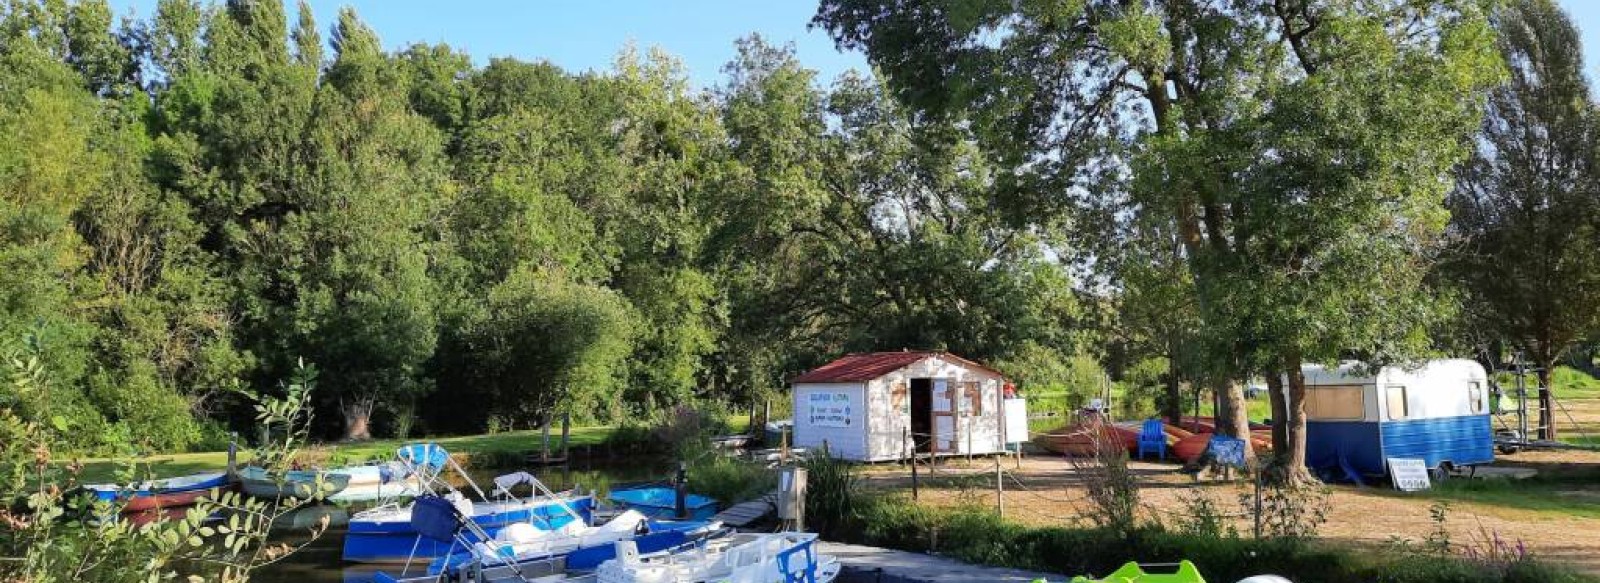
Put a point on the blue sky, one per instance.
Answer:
(582, 35)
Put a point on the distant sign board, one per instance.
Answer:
(828, 409)
(1409, 474)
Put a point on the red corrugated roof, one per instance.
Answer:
(866, 366)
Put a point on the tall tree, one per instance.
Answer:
(1527, 203)
(1298, 147)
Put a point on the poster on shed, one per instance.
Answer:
(829, 409)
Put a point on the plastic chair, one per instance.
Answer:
(1153, 437)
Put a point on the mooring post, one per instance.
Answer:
(233, 453)
(681, 491)
(544, 453)
(566, 430)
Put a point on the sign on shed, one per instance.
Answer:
(829, 409)
(1409, 474)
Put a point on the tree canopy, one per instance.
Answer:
(210, 195)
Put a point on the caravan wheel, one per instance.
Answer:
(1441, 473)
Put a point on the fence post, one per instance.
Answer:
(1258, 503)
(914, 469)
(999, 488)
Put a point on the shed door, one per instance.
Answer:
(946, 438)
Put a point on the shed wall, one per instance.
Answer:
(972, 431)
(847, 442)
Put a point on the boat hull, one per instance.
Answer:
(161, 494)
(391, 538)
(295, 484)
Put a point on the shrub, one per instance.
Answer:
(728, 480)
(977, 535)
(830, 493)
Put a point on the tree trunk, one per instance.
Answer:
(1172, 405)
(357, 419)
(1231, 418)
(1547, 401)
(1289, 452)
(1280, 435)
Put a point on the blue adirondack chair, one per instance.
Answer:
(1152, 438)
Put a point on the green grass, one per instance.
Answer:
(1565, 496)
(1571, 383)
(494, 446)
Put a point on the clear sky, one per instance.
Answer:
(582, 35)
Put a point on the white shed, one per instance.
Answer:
(881, 406)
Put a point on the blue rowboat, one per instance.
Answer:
(167, 493)
(661, 502)
(385, 534)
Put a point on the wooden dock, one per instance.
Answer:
(746, 513)
(863, 564)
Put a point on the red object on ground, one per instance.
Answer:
(1189, 448)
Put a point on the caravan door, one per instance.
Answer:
(945, 438)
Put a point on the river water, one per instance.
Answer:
(318, 561)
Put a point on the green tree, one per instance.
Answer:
(551, 345)
(1527, 203)
(1300, 148)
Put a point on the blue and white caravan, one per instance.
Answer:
(1438, 412)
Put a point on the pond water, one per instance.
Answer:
(318, 561)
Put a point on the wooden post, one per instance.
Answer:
(233, 454)
(566, 430)
(544, 453)
(914, 490)
(999, 488)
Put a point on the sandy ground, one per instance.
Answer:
(1045, 490)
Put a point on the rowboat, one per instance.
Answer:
(661, 502)
(1085, 439)
(302, 484)
(160, 494)
(376, 482)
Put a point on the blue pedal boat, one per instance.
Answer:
(661, 502)
(385, 534)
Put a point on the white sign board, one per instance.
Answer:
(1409, 474)
(828, 409)
(1016, 420)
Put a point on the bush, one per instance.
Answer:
(728, 480)
(976, 535)
(830, 494)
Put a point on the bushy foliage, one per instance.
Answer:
(978, 535)
(55, 532)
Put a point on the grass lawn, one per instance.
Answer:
(498, 444)
(1557, 496)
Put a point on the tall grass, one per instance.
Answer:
(830, 494)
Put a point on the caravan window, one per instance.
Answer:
(1475, 394)
(1396, 396)
(1335, 402)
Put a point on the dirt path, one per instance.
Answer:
(1046, 491)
